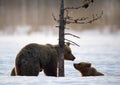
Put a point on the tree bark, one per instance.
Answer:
(61, 40)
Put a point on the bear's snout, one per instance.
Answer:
(75, 65)
(73, 58)
(69, 57)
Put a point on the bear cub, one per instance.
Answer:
(86, 69)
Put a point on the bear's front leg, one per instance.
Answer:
(51, 69)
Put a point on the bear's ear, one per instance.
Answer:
(88, 64)
(67, 43)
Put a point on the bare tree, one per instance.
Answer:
(61, 40)
(64, 19)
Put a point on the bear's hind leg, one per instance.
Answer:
(28, 68)
(13, 72)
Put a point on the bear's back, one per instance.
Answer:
(33, 51)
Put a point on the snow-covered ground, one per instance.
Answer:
(102, 50)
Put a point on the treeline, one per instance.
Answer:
(37, 13)
(25, 12)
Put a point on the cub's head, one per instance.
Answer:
(82, 66)
(86, 70)
(68, 53)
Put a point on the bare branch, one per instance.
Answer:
(72, 42)
(84, 20)
(54, 18)
(84, 5)
(67, 16)
(72, 35)
(73, 8)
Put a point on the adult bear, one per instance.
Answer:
(34, 58)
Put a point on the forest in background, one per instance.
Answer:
(38, 13)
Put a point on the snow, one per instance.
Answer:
(102, 50)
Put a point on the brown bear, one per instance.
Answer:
(34, 58)
(86, 69)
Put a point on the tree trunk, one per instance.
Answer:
(61, 41)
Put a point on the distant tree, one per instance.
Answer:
(64, 19)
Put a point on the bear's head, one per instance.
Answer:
(86, 70)
(68, 53)
(82, 66)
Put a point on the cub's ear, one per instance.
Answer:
(67, 43)
(88, 64)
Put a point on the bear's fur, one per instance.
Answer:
(34, 58)
(86, 69)
(13, 72)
